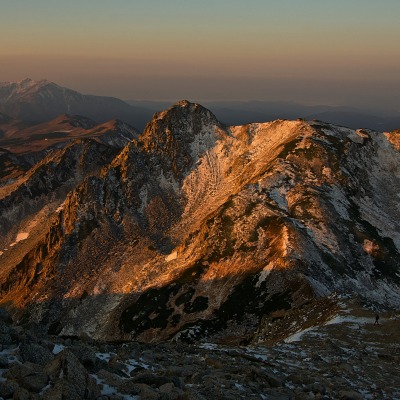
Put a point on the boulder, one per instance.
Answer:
(260, 375)
(28, 375)
(125, 386)
(75, 378)
(62, 390)
(148, 393)
(150, 379)
(7, 388)
(350, 395)
(21, 394)
(318, 388)
(18, 371)
(35, 353)
(35, 332)
(86, 355)
(34, 382)
(170, 391)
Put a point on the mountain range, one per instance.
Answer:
(41, 101)
(194, 228)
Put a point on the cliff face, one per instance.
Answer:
(200, 229)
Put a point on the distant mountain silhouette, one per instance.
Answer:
(38, 101)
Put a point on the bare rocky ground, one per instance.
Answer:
(345, 357)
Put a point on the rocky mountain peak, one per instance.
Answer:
(30, 82)
(25, 87)
(183, 103)
(23, 83)
(183, 115)
(180, 135)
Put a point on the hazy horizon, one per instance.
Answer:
(339, 53)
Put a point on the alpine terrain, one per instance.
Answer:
(194, 229)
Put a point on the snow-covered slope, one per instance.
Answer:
(200, 229)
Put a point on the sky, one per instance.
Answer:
(342, 52)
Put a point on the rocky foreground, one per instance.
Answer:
(348, 357)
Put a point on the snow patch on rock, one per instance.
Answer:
(172, 256)
(22, 236)
(264, 274)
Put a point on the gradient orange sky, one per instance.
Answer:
(310, 51)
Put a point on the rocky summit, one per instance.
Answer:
(196, 230)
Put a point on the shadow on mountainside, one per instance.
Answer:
(162, 313)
